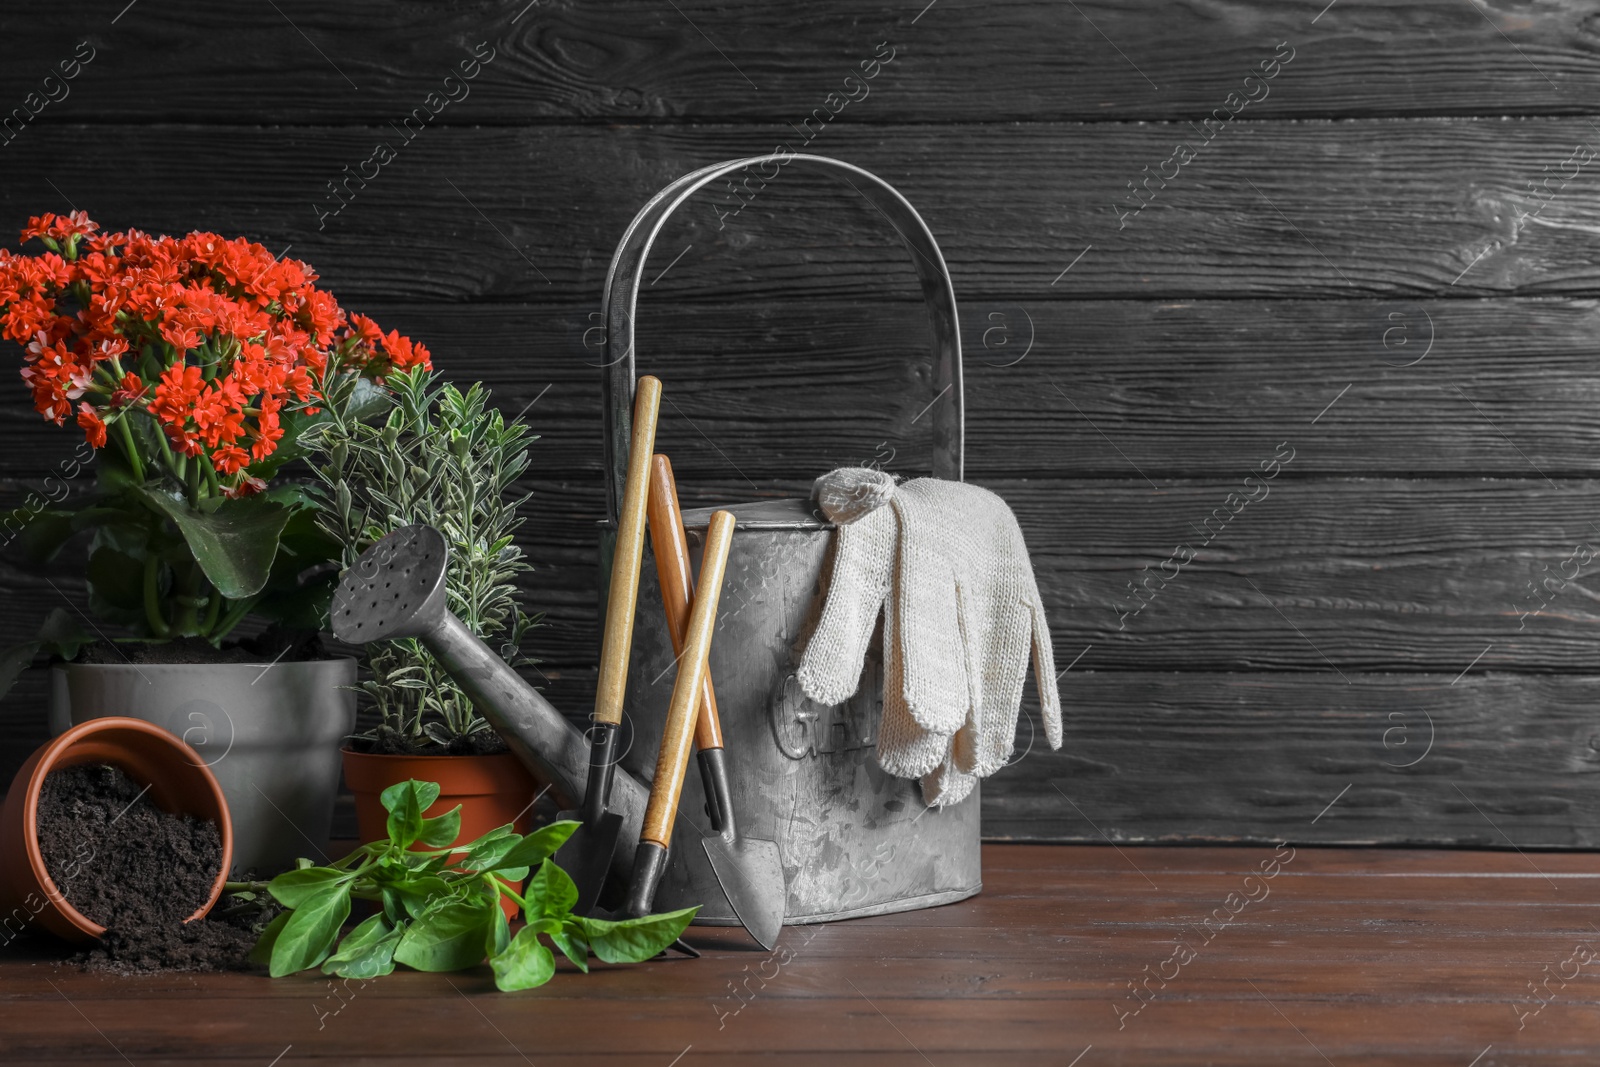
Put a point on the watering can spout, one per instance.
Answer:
(397, 590)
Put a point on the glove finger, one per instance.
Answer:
(946, 785)
(905, 749)
(937, 679)
(1044, 673)
(937, 683)
(863, 565)
(1004, 672)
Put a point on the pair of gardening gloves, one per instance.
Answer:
(945, 565)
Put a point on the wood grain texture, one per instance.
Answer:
(1393, 209)
(1371, 957)
(1320, 574)
(1278, 291)
(1090, 389)
(1490, 760)
(301, 63)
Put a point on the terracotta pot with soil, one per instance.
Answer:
(116, 822)
(268, 728)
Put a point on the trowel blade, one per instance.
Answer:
(586, 856)
(751, 874)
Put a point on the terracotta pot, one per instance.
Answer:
(179, 782)
(492, 790)
(270, 732)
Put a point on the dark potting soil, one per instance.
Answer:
(384, 742)
(138, 871)
(272, 645)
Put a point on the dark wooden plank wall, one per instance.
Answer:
(1384, 266)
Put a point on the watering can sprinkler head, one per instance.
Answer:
(397, 590)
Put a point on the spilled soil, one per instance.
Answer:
(138, 871)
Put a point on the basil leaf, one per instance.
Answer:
(635, 940)
(450, 938)
(573, 945)
(525, 964)
(262, 952)
(442, 831)
(311, 930)
(405, 802)
(366, 932)
(291, 888)
(484, 853)
(418, 894)
(393, 909)
(551, 892)
(539, 845)
(499, 933)
(371, 958)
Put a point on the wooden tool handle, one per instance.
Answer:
(623, 594)
(671, 546)
(673, 760)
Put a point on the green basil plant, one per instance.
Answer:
(441, 906)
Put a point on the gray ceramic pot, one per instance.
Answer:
(270, 733)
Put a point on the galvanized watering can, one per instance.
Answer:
(853, 840)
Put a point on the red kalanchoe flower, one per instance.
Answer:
(94, 428)
(176, 395)
(404, 353)
(230, 459)
(366, 331)
(129, 390)
(59, 227)
(217, 340)
(248, 485)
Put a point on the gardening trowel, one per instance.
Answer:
(666, 788)
(749, 869)
(586, 856)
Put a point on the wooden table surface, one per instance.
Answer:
(1343, 956)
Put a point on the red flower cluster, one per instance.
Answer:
(214, 339)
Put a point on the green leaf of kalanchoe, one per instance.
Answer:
(234, 541)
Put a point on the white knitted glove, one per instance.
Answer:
(970, 617)
(945, 785)
(865, 547)
(961, 611)
(863, 568)
(906, 748)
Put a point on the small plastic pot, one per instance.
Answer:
(179, 782)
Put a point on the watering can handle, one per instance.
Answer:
(627, 267)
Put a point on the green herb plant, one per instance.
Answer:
(442, 457)
(441, 907)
